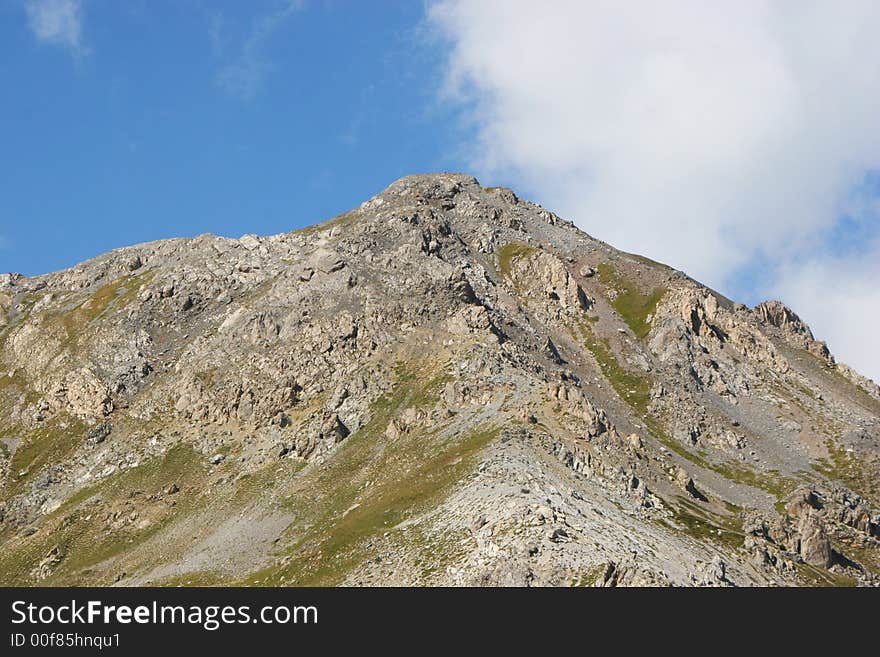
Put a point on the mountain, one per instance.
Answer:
(446, 385)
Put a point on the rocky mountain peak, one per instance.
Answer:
(445, 385)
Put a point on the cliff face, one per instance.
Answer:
(447, 385)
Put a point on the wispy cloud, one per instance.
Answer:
(216, 24)
(244, 76)
(714, 136)
(57, 23)
(362, 116)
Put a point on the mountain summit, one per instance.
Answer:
(446, 385)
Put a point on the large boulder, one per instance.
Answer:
(815, 548)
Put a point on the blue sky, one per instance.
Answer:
(178, 118)
(738, 142)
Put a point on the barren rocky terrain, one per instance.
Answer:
(448, 385)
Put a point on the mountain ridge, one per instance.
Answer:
(446, 385)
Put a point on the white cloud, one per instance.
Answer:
(57, 22)
(710, 136)
(244, 76)
(838, 297)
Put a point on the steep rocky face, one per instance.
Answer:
(447, 385)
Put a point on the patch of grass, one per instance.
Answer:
(510, 252)
(590, 576)
(859, 475)
(731, 507)
(340, 541)
(17, 384)
(804, 390)
(118, 293)
(655, 426)
(179, 465)
(52, 442)
(705, 525)
(78, 525)
(820, 577)
(176, 466)
(425, 393)
(634, 389)
(769, 481)
(631, 304)
(435, 550)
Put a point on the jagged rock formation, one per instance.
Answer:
(447, 385)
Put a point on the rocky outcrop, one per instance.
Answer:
(544, 280)
(717, 346)
(777, 314)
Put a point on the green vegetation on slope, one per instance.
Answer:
(510, 252)
(635, 390)
(120, 292)
(51, 442)
(371, 485)
(705, 525)
(815, 576)
(82, 527)
(769, 481)
(391, 503)
(633, 306)
(859, 475)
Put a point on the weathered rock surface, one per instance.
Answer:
(446, 385)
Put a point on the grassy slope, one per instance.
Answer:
(82, 529)
(366, 488)
(370, 486)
